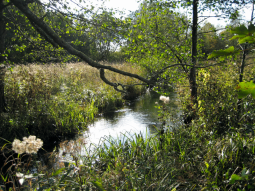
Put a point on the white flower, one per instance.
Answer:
(156, 102)
(18, 146)
(39, 143)
(28, 145)
(31, 138)
(164, 99)
(25, 139)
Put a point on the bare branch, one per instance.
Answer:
(191, 65)
(174, 52)
(102, 76)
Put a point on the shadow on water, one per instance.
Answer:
(138, 117)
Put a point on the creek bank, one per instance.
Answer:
(139, 117)
(55, 138)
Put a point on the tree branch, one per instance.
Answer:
(211, 31)
(102, 76)
(35, 20)
(173, 51)
(191, 65)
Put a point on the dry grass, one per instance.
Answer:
(58, 99)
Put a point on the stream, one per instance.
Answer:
(138, 117)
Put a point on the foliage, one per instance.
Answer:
(245, 35)
(24, 44)
(58, 102)
(214, 150)
(157, 37)
(211, 41)
(246, 88)
(189, 158)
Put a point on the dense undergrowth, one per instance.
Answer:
(52, 101)
(214, 152)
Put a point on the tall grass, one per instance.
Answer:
(214, 152)
(188, 159)
(58, 99)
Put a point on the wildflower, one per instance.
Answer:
(28, 145)
(156, 103)
(164, 99)
(18, 146)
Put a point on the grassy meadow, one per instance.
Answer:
(52, 101)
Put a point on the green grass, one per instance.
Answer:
(58, 100)
(214, 152)
(188, 159)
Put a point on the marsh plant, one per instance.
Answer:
(58, 100)
(16, 167)
(214, 152)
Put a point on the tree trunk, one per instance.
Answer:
(243, 63)
(2, 67)
(239, 102)
(192, 77)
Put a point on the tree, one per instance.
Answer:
(39, 23)
(55, 39)
(2, 57)
(211, 40)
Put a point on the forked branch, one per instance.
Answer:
(102, 76)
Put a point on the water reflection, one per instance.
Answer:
(138, 117)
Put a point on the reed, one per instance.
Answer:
(58, 99)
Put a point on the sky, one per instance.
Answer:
(132, 5)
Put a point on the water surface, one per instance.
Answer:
(138, 117)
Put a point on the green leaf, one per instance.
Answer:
(235, 178)
(241, 30)
(98, 185)
(248, 39)
(246, 88)
(251, 28)
(244, 173)
(227, 52)
(58, 172)
(244, 34)
(140, 36)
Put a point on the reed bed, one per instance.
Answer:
(56, 100)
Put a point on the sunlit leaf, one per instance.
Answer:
(235, 178)
(98, 185)
(246, 88)
(227, 52)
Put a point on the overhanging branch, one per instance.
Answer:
(102, 76)
(54, 36)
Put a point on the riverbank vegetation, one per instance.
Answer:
(214, 152)
(57, 100)
(212, 149)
